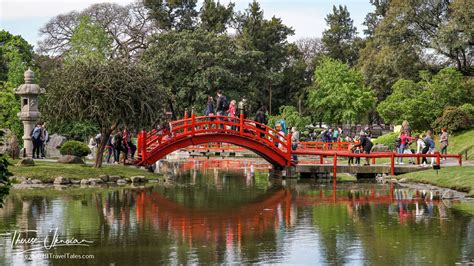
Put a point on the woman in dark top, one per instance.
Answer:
(366, 144)
(210, 106)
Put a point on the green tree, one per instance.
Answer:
(173, 14)
(445, 28)
(373, 19)
(339, 94)
(88, 42)
(274, 56)
(390, 52)
(111, 94)
(422, 102)
(192, 65)
(292, 117)
(215, 16)
(4, 174)
(340, 39)
(16, 56)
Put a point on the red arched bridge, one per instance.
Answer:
(195, 130)
(259, 138)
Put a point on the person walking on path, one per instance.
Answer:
(366, 145)
(44, 140)
(430, 143)
(404, 140)
(36, 139)
(295, 139)
(422, 148)
(118, 141)
(444, 142)
(110, 148)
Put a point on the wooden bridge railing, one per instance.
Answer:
(200, 125)
(377, 155)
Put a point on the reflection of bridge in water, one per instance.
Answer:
(274, 209)
(256, 217)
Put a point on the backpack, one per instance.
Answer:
(225, 103)
(398, 142)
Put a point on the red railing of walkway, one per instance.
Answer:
(377, 155)
(302, 146)
(150, 142)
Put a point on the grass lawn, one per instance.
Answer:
(48, 171)
(460, 142)
(460, 178)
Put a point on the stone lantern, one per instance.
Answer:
(29, 113)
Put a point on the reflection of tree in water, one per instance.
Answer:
(414, 230)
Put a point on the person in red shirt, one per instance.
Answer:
(404, 141)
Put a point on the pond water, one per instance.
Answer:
(233, 212)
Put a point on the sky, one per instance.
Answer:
(306, 17)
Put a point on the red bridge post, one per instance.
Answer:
(460, 159)
(186, 120)
(241, 123)
(193, 119)
(334, 167)
(288, 149)
(392, 164)
(438, 158)
(144, 147)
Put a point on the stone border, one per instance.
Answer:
(445, 193)
(23, 182)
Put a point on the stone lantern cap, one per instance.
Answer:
(29, 88)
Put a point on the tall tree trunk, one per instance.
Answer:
(173, 114)
(105, 135)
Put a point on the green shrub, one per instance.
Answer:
(76, 148)
(4, 174)
(453, 119)
(387, 140)
(291, 116)
(468, 108)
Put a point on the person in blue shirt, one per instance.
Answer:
(430, 144)
(284, 128)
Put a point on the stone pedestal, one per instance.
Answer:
(28, 126)
(29, 114)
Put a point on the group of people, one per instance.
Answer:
(331, 135)
(119, 143)
(360, 145)
(425, 144)
(40, 137)
(222, 106)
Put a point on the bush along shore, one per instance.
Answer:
(78, 174)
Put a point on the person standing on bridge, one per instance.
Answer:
(261, 119)
(222, 105)
(295, 139)
(242, 107)
(210, 107)
(231, 112)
